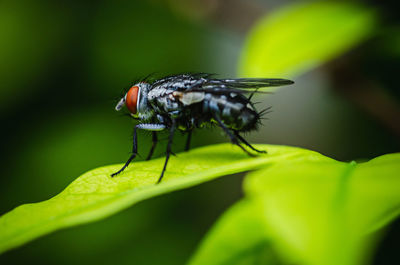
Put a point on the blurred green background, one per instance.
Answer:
(63, 65)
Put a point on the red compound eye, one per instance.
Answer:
(131, 99)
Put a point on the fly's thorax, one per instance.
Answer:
(158, 92)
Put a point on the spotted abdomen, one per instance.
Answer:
(235, 110)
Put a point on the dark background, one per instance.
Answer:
(63, 66)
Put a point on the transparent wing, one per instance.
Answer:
(240, 85)
(258, 82)
(202, 82)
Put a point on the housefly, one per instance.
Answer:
(188, 101)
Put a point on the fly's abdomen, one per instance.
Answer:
(235, 110)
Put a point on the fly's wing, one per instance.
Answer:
(191, 88)
(203, 82)
(196, 92)
(256, 82)
(239, 85)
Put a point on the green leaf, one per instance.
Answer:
(323, 212)
(238, 237)
(96, 195)
(299, 37)
(308, 210)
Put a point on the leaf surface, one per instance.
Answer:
(96, 195)
(309, 210)
(325, 212)
(238, 237)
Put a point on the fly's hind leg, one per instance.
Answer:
(233, 137)
(248, 144)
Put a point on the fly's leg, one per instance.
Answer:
(153, 145)
(189, 138)
(133, 155)
(233, 138)
(168, 153)
(248, 144)
(149, 127)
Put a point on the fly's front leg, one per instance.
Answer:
(233, 138)
(168, 152)
(133, 155)
(146, 126)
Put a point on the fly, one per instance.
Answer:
(188, 101)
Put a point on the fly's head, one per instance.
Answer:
(135, 101)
